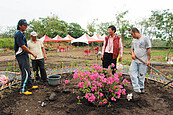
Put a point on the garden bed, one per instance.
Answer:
(156, 100)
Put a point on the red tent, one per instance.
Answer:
(91, 39)
(68, 38)
(98, 38)
(45, 38)
(58, 38)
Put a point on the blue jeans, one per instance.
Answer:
(137, 74)
(26, 82)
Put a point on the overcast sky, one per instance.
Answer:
(78, 11)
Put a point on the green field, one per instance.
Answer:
(157, 55)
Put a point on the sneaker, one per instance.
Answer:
(26, 93)
(33, 87)
(137, 91)
(142, 91)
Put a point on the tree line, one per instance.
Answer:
(158, 25)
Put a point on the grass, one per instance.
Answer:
(157, 55)
(7, 43)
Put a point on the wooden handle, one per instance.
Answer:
(163, 75)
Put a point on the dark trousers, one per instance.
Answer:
(39, 63)
(26, 82)
(107, 60)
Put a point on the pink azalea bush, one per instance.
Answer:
(99, 85)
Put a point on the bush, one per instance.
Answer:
(99, 85)
(7, 43)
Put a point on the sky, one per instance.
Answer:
(78, 11)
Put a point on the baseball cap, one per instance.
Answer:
(33, 33)
(22, 22)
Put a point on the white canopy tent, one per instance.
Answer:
(82, 39)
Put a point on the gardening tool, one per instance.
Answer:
(163, 75)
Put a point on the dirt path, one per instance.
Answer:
(7, 58)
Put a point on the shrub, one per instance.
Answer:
(99, 85)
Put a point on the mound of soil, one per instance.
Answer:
(51, 100)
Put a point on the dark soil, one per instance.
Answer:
(157, 100)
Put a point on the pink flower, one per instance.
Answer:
(105, 101)
(113, 99)
(81, 84)
(125, 81)
(118, 96)
(104, 80)
(88, 84)
(121, 73)
(92, 98)
(101, 94)
(95, 88)
(66, 81)
(124, 91)
(99, 84)
(78, 97)
(110, 90)
(86, 96)
(109, 67)
(113, 65)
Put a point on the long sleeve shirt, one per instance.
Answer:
(109, 47)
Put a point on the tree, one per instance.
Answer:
(148, 28)
(50, 26)
(103, 28)
(92, 27)
(9, 32)
(123, 25)
(75, 30)
(164, 24)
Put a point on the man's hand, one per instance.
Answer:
(34, 56)
(120, 59)
(148, 62)
(101, 57)
(45, 57)
(133, 57)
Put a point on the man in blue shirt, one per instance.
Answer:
(21, 53)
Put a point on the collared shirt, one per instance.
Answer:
(36, 48)
(109, 47)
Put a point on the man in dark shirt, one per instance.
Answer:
(21, 53)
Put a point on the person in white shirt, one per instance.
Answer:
(37, 47)
(141, 48)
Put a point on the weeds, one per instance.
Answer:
(71, 64)
(147, 76)
(76, 64)
(61, 64)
